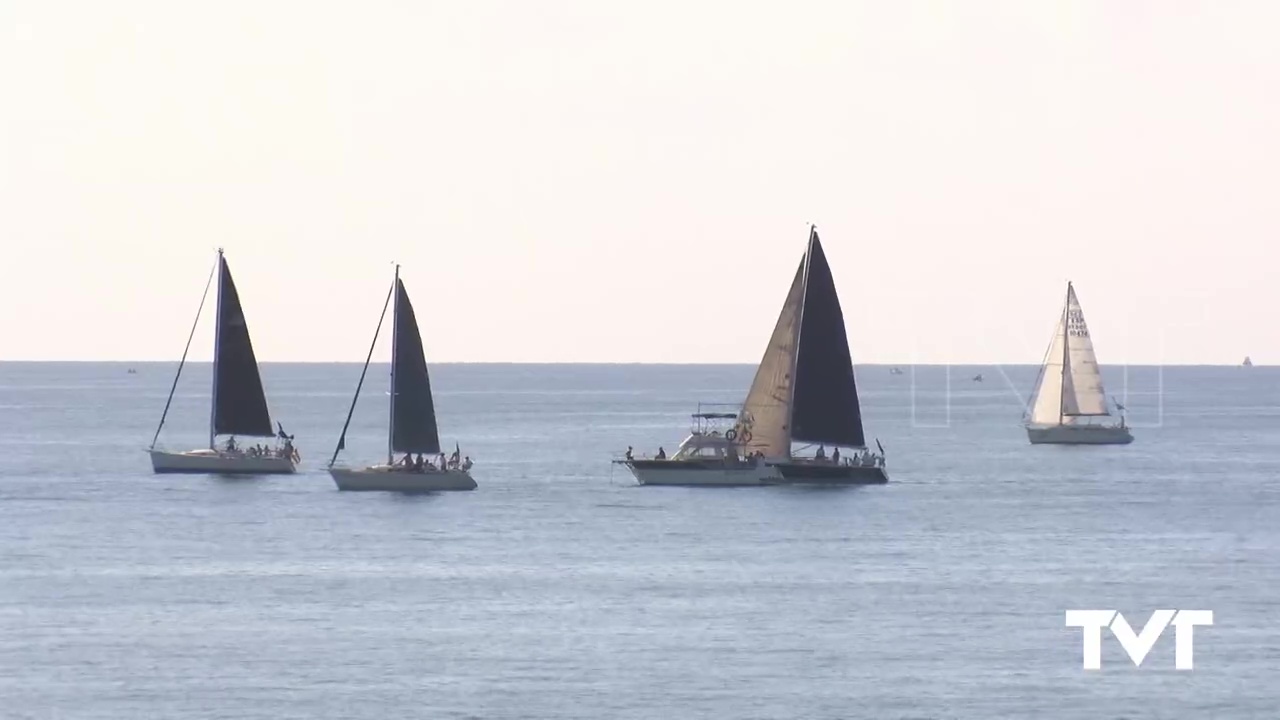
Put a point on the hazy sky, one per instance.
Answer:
(607, 181)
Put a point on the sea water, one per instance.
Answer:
(560, 589)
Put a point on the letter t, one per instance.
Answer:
(1184, 645)
(1091, 622)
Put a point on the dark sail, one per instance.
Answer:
(824, 407)
(239, 404)
(413, 422)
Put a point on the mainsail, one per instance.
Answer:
(1070, 382)
(413, 415)
(239, 403)
(804, 388)
(824, 405)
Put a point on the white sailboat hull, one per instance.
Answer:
(692, 474)
(389, 478)
(212, 462)
(1079, 435)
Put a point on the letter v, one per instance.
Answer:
(1139, 645)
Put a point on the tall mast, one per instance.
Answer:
(395, 337)
(1066, 338)
(795, 348)
(217, 342)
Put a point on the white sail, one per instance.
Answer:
(1070, 383)
(1083, 393)
(1046, 408)
(765, 421)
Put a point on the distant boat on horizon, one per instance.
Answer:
(1069, 394)
(1247, 362)
(895, 371)
(238, 404)
(977, 378)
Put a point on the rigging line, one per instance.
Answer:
(343, 438)
(185, 350)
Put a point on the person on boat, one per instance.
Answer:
(822, 453)
(407, 461)
(444, 463)
(417, 463)
(662, 454)
(231, 444)
(466, 463)
(835, 456)
(628, 456)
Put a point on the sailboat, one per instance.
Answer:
(238, 405)
(1070, 405)
(803, 391)
(1248, 362)
(412, 427)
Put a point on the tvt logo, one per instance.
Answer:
(1137, 645)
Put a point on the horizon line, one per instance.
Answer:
(603, 362)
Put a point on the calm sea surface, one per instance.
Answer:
(560, 589)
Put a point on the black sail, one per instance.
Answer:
(825, 403)
(239, 404)
(413, 420)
